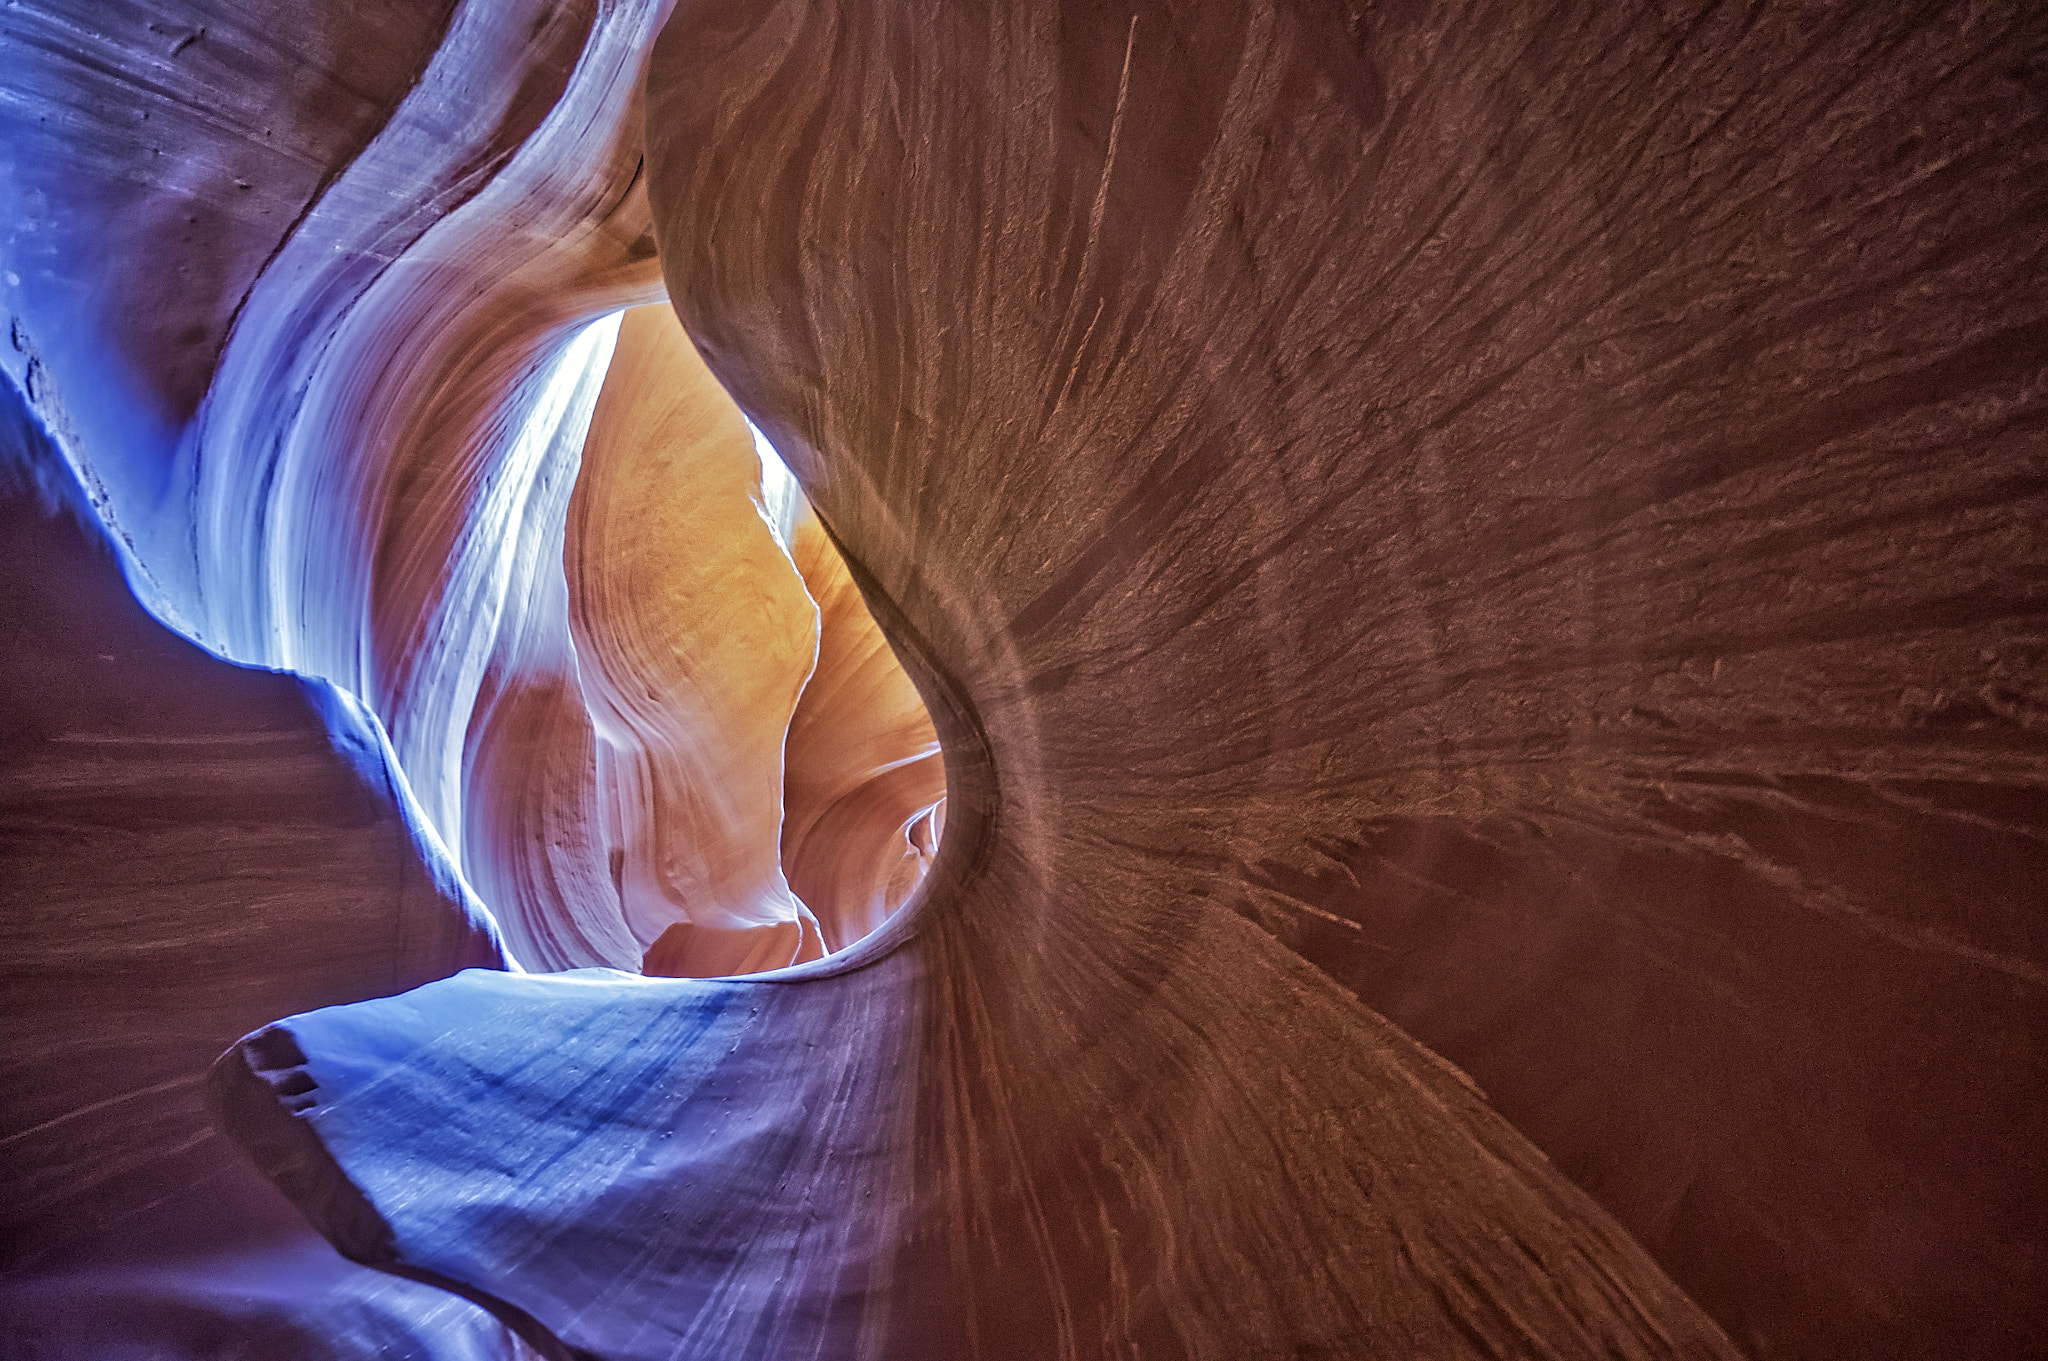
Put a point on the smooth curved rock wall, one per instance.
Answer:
(1532, 513)
(864, 793)
(186, 847)
(1538, 509)
(375, 486)
(694, 637)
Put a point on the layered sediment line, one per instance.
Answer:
(1482, 551)
(694, 636)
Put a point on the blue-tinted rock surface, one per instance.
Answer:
(1535, 514)
(186, 847)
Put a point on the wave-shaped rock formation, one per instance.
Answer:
(189, 847)
(1478, 570)
(694, 636)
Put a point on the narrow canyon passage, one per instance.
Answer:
(740, 735)
(1478, 572)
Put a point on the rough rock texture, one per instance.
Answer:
(849, 1166)
(1539, 508)
(1529, 514)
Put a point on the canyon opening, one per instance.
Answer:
(1479, 569)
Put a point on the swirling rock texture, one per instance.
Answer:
(694, 637)
(343, 441)
(405, 392)
(353, 461)
(865, 793)
(376, 485)
(186, 847)
(1539, 509)
(1511, 527)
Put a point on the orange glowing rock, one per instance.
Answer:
(866, 784)
(1441, 541)
(694, 637)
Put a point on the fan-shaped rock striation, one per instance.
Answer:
(1506, 530)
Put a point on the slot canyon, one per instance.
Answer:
(1014, 679)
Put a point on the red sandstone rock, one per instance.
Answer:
(185, 845)
(1537, 509)
(1534, 511)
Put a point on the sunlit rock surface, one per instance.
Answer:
(374, 488)
(316, 342)
(694, 636)
(410, 393)
(865, 788)
(1531, 518)
(376, 484)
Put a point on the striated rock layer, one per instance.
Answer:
(1513, 528)
(371, 483)
(186, 847)
(864, 795)
(306, 307)
(694, 636)
(1536, 513)
(1537, 509)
